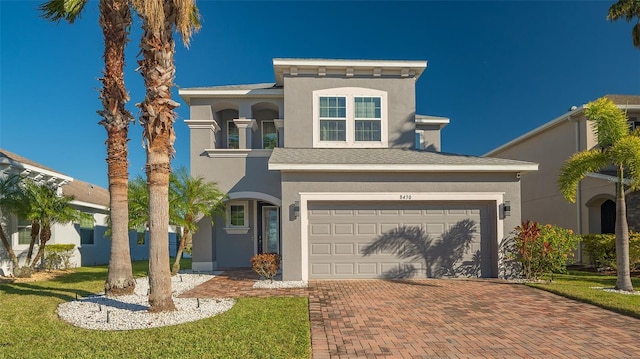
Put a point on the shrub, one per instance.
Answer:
(266, 264)
(58, 256)
(542, 249)
(601, 249)
(23, 272)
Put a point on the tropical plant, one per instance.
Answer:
(190, 200)
(617, 146)
(138, 196)
(8, 190)
(543, 249)
(157, 66)
(115, 21)
(43, 207)
(629, 10)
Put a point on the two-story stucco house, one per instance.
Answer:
(331, 167)
(551, 145)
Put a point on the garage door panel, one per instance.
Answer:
(388, 227)
(367, 228)
(345, 268)
(344, 248)
(320, 229)
(320, 269)
(318, 249)
(367, 269)
(343, 228)
(351, 236)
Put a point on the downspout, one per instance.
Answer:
(578, 197)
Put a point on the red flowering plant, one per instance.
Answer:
(543, 249)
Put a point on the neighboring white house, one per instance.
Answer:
(92, 246)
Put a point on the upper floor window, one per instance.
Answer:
(349, 117)
(269, 135)
(233, 136)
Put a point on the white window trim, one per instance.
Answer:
(350, 93)
(262, 133)
(229, 228)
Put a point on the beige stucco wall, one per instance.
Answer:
(541, 198)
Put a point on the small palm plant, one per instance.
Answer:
(619, 147)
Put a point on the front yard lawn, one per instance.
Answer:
(253, 328)
(579, 285)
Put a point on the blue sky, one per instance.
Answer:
(497, 69)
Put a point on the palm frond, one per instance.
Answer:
(575, 169)
(56, 10)
(609, 122)
(626, 153)
(627, 9)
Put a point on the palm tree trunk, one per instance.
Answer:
(183, 239)
(8, 248)
(158, 70)
(45, 235)
(115, 20)
(35, 231)
(160, 299)
(623, 281)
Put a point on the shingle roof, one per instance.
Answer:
(392, 159)
(624, 99)
(80, 190)
(87, 192)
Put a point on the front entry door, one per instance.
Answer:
(269, 236)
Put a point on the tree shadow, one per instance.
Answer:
(66, 294)
(509, 267)
(448, 256)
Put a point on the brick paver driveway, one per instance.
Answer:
(461, 319)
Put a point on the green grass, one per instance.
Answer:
(577, 285)
(253, 328)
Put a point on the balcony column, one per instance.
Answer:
(245, 126)
(203, 133)
(280, 129)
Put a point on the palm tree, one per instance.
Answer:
(617, 146)
(115, 21)
(159, 19)
(627, 9)
(47, 208)
(191, 199)
(40, 204)
(8, 191)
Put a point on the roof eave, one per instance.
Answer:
(520, 168)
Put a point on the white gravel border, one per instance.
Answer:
(613, 290)
(131, 311)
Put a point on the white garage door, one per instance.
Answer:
(399, 240)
